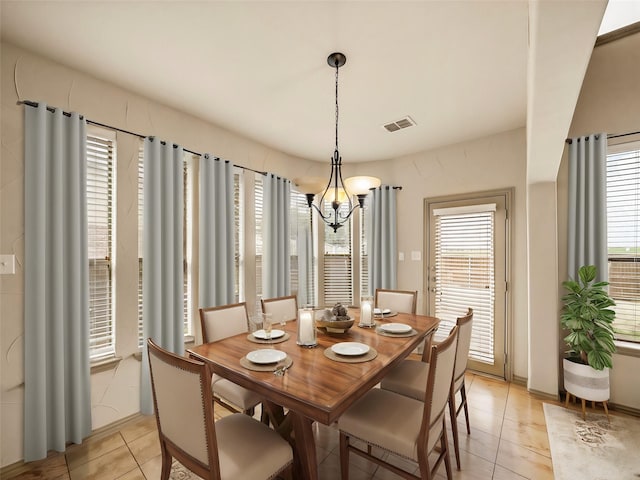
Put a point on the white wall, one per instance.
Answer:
(609, 102)
(494, 162)
(115, 391)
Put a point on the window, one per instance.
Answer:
(186, 231)
(338, 272)
(364, 256)
(623, 233)
(100, 216)
(258, 199)
(464, 272)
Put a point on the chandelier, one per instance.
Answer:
(337, 191)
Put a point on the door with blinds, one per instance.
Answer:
(467, 267)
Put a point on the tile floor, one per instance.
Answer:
(508, 441)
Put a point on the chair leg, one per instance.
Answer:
(344, 456)
(445, 449)
(166, 463)
(463, 394)
(606, 410)
(454, 427)
(584, 409)
(566, 403)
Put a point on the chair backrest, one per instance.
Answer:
(464, 324)
(403, 301)
(282, 309)
(184, 409)
(441, 366)
(223, 321)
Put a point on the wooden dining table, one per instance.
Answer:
(315, 387)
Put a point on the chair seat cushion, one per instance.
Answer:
(388, 420)
(249, 450)
(234, 393)
(409, 378)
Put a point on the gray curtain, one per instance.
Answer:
(304, 244)
(588, 204)
(382, 248)
(276, 262)
(57, 394)
(217, 233)
(163, 259)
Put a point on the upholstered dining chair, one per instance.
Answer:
(404, 426)
(282, 309)
(222, 322)
(403, 301)
(213, 450)
(410, 377)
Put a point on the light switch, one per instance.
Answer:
(415, 255)
(401, 256)
(7, 264)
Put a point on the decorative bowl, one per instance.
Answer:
(335, 326)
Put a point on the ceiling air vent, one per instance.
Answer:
(399, 124)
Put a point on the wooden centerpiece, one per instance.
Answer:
(335, 320)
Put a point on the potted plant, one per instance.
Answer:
(588, 317)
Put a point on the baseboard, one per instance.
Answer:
(521, 381)
(624, 409)
(21, 466)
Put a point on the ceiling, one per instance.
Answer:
(457, 68)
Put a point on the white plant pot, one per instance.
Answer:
(583, 381)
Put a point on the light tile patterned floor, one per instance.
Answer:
(508, 441)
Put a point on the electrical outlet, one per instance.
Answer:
(7, 264)
(416, 256)
(401, 256)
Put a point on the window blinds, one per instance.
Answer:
(337, 261)
(623, 233)
(100, 210)
(464, 271)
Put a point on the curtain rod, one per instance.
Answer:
(98, 124)
(570, 140)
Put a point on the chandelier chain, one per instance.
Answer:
(337, 108)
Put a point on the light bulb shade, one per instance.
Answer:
(310, 184)
(361, 185)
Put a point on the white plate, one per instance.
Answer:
(266, 355)
(377, 311)
(350, 348)
(261, 334)
(396, 328)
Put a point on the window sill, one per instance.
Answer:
(105, 364)
(629, 349)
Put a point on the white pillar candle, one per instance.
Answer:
(306, 328)
(366, 311)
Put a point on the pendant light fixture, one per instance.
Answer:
(337, 191)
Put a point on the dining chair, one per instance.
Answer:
(410, 377)
(219, 450)
(402, 301)
(409, 428)
(222, 322)
(282, 309)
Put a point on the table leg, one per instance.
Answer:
(305, 459)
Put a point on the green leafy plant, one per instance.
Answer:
(587, 316)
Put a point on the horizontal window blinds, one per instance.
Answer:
(464, 270)
(623, 218)
(100, 211)
(258, 202)
(337, 261)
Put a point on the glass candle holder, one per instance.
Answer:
(307, 336)
(366, 312)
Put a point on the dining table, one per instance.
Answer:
(319, 385)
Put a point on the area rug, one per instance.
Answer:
(593, 449)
